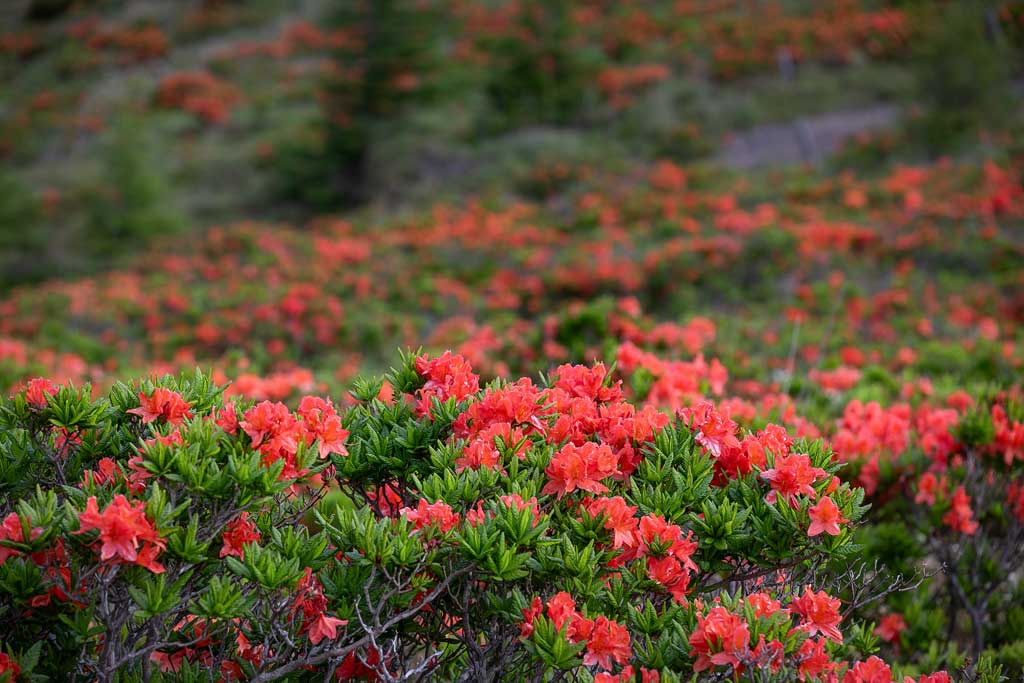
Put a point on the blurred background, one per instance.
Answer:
(289, 191)
(126, 121)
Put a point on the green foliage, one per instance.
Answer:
(975, 428)
(412, 540)
(963, 76)
(23, 243)
(543, 73)
(130, 203)
(388, 66)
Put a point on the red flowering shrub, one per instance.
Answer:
(164, 531)
(134, 43)
(199, 93)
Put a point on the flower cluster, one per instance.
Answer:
(199, 93)
(126, 534)
(629, 520)
(606, 641)
(277, 433)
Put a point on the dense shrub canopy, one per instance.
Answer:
(439, 528)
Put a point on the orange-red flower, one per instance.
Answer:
(715, 432)
(323, 425)
(37, 390)
(607, 641)
(792, 475)
(927, 487)
(937, 677)
(11, 530)
(825, 517)
(721, 638)
(479, 453)
(580, 467)
(764, 605)
(618, 518)
(960, 517)
(673, 567)
(275, 433)
(628, 675)
(530, 613)
(819, 612)
(438, 514)
(239, 531)
(1015, 500)
(323, 627)
(126, 533)
(9, 666)
(873, 670)
(814, 659)
(448, 376)
(584, 382)
(890, 627)
(162, 404)
(311, 602)
(561, 608)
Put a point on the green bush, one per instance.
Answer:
(963, 77)
(22, 243)
(390, 67)
(164, 533)
(541, 74)
(130, 202)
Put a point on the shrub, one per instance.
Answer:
(302, 168)
(385, 67)
(22, 243)
(542, 72)
(130, 203)
(511, 532)
(963, 77)
(385, 63)
(200, 93)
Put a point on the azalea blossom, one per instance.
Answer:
(825, 517)
(960, 517)
(764, 605)
(819, 613)
(561, 608)
(607, 641)
(791, 476)
(239, 531)
(126, 534)
(448, 376)
(9, 667)
(814, 659)
(37, 390)
(715, 432)
(890, 627)
(12, 530)
(437, 514)
(618, 518)
(162, 404)
(323, 425)
(721, 638)
(580, 468)
(310, 601)
(872, 670)
(323, 627)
